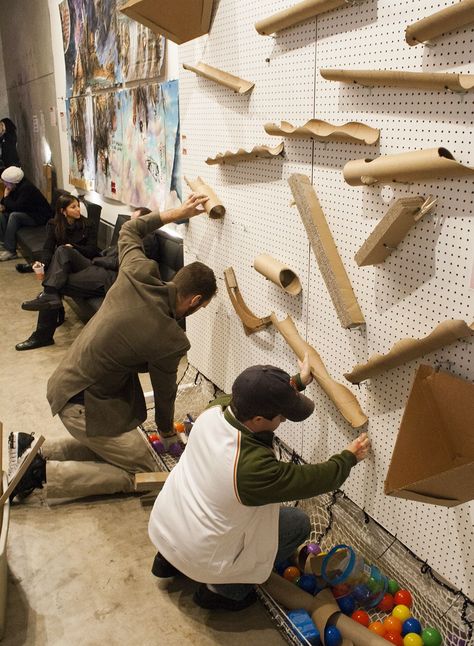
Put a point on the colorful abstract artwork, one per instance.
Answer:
(108, 143)
(81, 155)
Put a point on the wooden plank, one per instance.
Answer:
(150, 481)
(20, 472)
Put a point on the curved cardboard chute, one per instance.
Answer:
(296, 14)
(405, 167)
(324, 131)
(278, 273)
(258, 152)
(442, 22)
(250, 322)
(416, 80)
(219, 76)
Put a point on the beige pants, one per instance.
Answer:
(90, 466)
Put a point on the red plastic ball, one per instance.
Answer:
(403, 597)
(291, 573)
(393, 625)
(394, 638)
(361, 617)
(387, 603)
(340, 590)
(153, 437)
(378, 628)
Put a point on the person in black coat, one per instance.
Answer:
(22, 205)
(8, 152)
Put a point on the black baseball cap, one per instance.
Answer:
(268, 391)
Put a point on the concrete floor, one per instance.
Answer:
(79, 572)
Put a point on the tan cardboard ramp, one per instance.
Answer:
(395, 78)
(257, 152)
(442, 22)
(219, 76)
(324, 131)
(296, 14)
(250, 322)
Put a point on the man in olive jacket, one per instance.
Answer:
(96, 390)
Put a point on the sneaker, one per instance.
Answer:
(18, 445)
(7, 255)
(163, 568)
(43, 301)
(34, 478)
(205, 598)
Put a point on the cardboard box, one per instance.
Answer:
(433, 458)
(178, 20)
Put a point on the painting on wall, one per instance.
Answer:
(81, 158)
(108, 143)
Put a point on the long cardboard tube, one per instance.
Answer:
(278, 273)
(344, 400)
(250, 322)
(298, 13)
(405, 167)
(406, 350)
(213, 206)
(394, 78)
(257, 152)
(324, 131)
(323, 610)
(442, 22)
(230, 81)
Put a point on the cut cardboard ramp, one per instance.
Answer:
(324, 248)
(392, 229)
(442, 22)
(433, 458)
(214, 207)
(178, 20)
(250, 322)
(324, 131)
(394, 78)
(296, 14)
(219, 76)
(150, 481)
(258, 152)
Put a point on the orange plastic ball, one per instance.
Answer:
(393, 625)
(393, 638)
(291, 573)
(179, 427)
(378, 628)
(401, 612)
(386, 605)
(361, 617)
(403, 597)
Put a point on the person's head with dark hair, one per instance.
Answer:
(67, 211)
(7, 126)
(139, 211)
(195, 285)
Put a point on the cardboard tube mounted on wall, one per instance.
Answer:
(394, 78)
(213, 206)
(230, 81)
(296, 14)
(278, 273)
(442, 22)
(405, 167)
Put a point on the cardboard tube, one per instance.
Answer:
(250, 322)
(323, 610)
(405, 167)
(213, 206)
(406, 350)
(219, 76)
(257, 152)
(292, 16)
(324, 131)
(458, 15)
(394, 78)
(278, 273)
(344, 400)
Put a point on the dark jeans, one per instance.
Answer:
(9, 225)
(294, 529)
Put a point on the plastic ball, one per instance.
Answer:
(393, 638)
(362, 593)
(401, 612)
(179, 427)
(403, 597)
(412, 639)
(411, 625)
(282, 565)
(361, 617)
(340, 590)
(393, 624)
(153, 437)
(393, 586)
(308, 583)
(176, 449)
(386, 604)
(291, 573)
(378, 628)
(158, 447)
(347, 604)
(431, 637)
(332, 636)
(313, 548)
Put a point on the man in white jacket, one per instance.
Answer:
(218, 518)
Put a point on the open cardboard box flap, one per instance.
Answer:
(433, 458)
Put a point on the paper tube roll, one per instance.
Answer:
(322, 608)
(230, 81)
(278, 273)
(394, 78)
(441, 22)
(294, 15)
(405, 167)
(213, 206)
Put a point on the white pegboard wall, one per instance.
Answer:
(422, 283)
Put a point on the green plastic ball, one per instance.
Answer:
(393, 586)
(431, 637)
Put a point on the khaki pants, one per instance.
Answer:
(90, 466)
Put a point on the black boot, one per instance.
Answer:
(34, 341)
(34, 478)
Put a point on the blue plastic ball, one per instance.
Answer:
(362, 593)
(411, 625)
(308, 583)
(332, 636)
(347, 604)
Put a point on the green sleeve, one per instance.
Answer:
(130, 245)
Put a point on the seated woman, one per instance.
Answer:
(22, 205)
(8, 152)
(69, 246)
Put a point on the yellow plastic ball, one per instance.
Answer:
(412, 639)
(401, 612)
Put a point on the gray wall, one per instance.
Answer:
(3, 88)
(29, 78)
